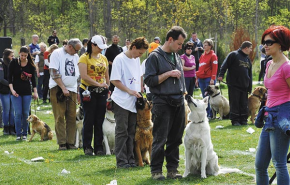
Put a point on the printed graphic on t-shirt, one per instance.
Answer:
(69, 68)
(244, 64)
(132, 80)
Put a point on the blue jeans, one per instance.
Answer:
(8, 110)
(21, 106)
(39, 86)
(272, 144)
(203, 83)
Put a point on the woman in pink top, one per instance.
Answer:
(189, 66)
(274, 139)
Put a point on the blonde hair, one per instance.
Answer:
(42, 44)
(209, 42)
(52, 47)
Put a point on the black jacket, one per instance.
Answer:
(239, 69)
(157, 64)
(4, 85)
(111, 54)
(52, 40)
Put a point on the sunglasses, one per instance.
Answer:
(189, 48)
(269, 42)
(74, 49)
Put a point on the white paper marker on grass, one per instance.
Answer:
(37, 159)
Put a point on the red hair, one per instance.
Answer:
(281, 34)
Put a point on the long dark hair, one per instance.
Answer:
(29, 58)
(89, 48)
(6, 54)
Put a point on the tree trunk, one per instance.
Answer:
(108, 19)
(256, 28)
(92, 15)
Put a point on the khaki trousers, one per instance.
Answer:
(65, 117)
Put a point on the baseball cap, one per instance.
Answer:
(100, 41)
(157, 38)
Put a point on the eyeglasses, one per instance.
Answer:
(269, 42)
(74, 49)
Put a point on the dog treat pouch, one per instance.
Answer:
(86, 95)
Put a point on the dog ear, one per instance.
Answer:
(205, 100)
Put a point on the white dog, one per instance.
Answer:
(79, 123)
(109, 130)
(199, 155)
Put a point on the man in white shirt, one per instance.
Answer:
(64, 73)
(126, 47)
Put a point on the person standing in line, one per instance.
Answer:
(21, 73)
(64, 73)
(53, 39)
(153, 45)
(164, 76)
(239, 80)
(208, 65)
(46, 71)
(94, 71)
(274, 139)
(127, 46)
(85, 46)
(188, 62)
(34, 48)
(197, 49)
(5, 94)
(127, 77)
(39, 63)
(111, 52)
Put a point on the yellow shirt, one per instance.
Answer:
(96, 68)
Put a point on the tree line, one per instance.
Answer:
(133, 18)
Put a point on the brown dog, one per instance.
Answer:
(40, 127)
(254, 101)
(143, 135)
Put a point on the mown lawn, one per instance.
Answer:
(230, 143)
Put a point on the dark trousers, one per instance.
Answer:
(190, 84)
(94, 114)
(124, 135)
(169, 123)
(45, 84)
(40, 86)
(238, 104)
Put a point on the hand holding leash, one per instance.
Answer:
(65, 92)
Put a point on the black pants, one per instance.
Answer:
(94, 114)
(168, 129)
(45, 84)
(238, 104)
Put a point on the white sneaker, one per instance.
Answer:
(24, 138)
(18, 138)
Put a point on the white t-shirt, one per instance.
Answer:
(37, 61)
(143, 72)
(125, 49)
(67, 65)
(128, 71)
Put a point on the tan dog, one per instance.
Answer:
(143, 135)
(219, 104)
(40, 127)
(254, 101)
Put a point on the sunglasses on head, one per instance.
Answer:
(269, 42)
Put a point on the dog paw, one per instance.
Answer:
(203, 175)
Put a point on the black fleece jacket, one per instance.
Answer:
(239, 69)
(157, 64)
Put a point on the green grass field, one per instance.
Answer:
(230, 143)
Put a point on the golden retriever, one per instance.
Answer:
(254, 101)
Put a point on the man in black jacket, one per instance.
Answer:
(197, 49)
(239, 80)
(53, 39)
(111, 52)
(164, 76)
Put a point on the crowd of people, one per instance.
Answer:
(90, 72)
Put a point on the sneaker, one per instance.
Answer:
(133, 165)
(235, 123)
(89, 151)
(100, 153)
(157, 176)
(71, 147)
(44, 102)
(62, 147)
(24, 138)
(173, 175)
(244, 123)
(18, 138)
(124, 166)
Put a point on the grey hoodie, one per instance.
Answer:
(157, 64)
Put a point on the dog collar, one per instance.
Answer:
(256, 95)
(110, 120)
(216, 94)
(198, 122)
